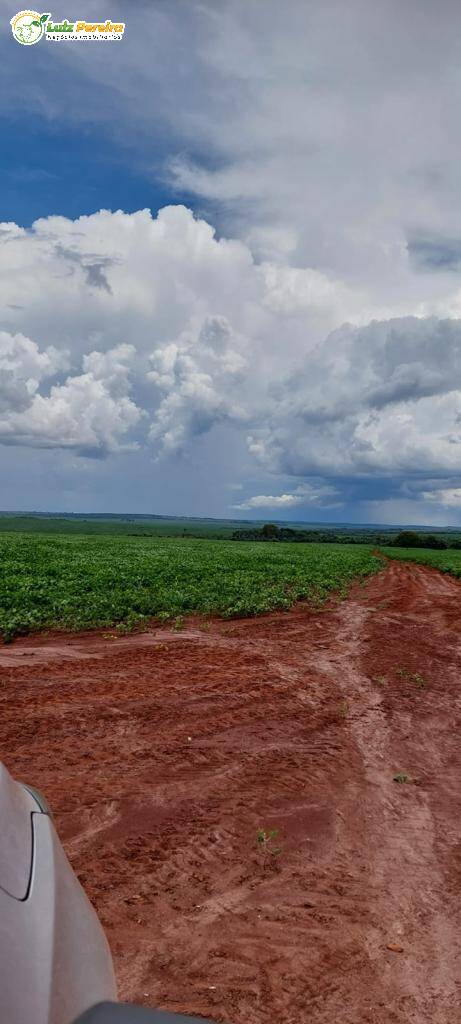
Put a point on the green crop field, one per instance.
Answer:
(128, 526)
(446, 561)
(78, 582)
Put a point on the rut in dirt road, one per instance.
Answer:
(164, 753)
(399, 836)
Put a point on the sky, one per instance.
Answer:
(230, 257)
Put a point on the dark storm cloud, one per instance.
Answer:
(435, 253)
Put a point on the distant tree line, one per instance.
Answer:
(404, 539)
(271, 532)
(411, 539)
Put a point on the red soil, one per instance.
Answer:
(163, 754)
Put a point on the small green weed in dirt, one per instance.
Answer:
(343, 709)
(411, 677)
(401, 778)
(266, 846)
(131, 623)
(178, 623)
(380, 680)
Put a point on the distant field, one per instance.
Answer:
(121, 525)
(446, 561)
(77, 582)
(159, 526)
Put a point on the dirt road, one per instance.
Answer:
(163, 754)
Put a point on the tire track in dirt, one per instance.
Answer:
(163, 754)
(402, 850)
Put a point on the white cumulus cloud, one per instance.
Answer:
(23, 367)
(306, 494)
(141, 332)
(188, 324)
(90, 412)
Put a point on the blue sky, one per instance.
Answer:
(231, 247)
(44, 172)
